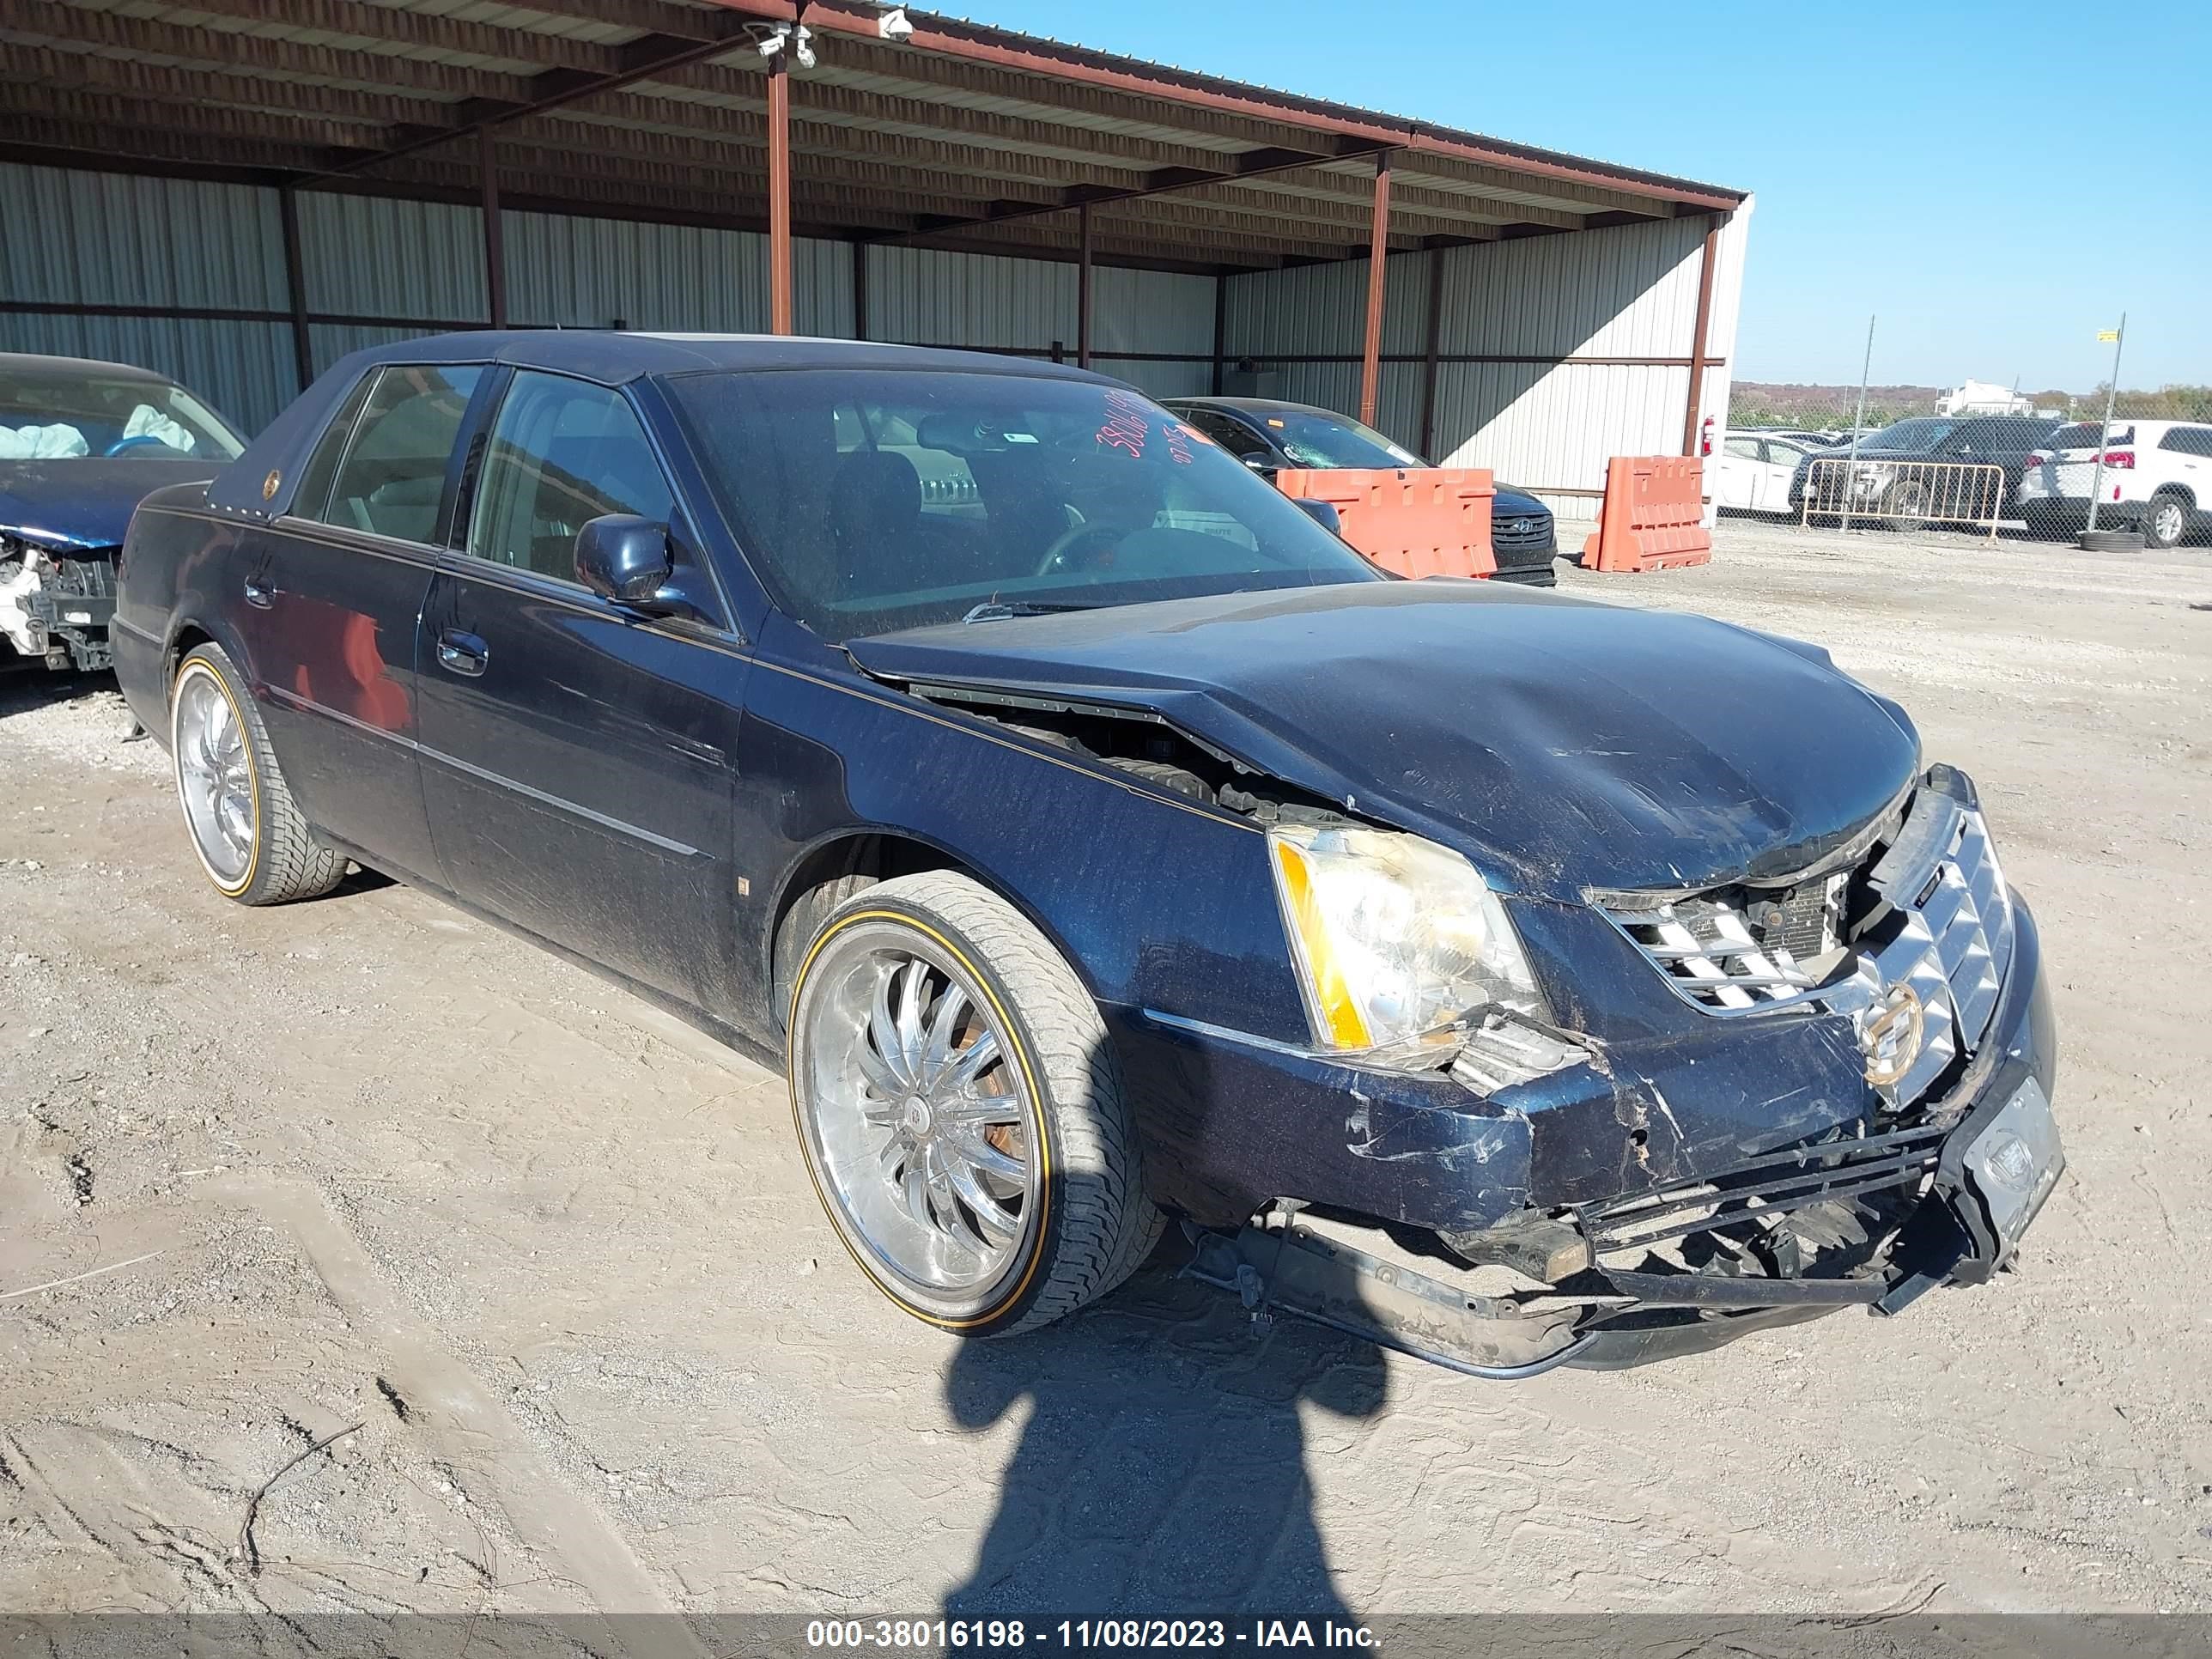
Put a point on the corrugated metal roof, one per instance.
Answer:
(966, 134)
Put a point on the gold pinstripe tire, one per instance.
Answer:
(961, 1109)
(248, 836)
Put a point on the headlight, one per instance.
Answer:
(1394, 936)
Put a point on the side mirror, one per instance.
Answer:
(623, 557)
(1324, 513)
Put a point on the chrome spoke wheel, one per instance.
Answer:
(916, 1117)
(214, 776)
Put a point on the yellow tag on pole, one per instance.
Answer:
(2108, 334)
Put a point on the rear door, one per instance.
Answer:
(577, 755)
(330, 599)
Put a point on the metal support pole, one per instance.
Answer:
(1698, 334)
(1428, 360)
(2105, 433)
(1378, 249)
(779, 192)
(1858, 420)
(859, 288)
(495, 255)
(1083, 285)
(1220, 329)
(295, 284)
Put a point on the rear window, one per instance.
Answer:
(2083, 435)
(2188, 439)
(392, 477)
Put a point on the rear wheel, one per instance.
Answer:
(961, 1111)
(2165, 521)
(249, 836)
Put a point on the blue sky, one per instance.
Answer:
(1995, 180)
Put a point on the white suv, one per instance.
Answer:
(2157, 476)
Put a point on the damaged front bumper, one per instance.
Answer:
(1957, 1182)
(57, 608)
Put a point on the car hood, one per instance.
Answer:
(1516, 503)
(1565, 746)
(84, 501)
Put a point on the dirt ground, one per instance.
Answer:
(549, 1267)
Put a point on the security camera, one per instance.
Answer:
(895, 25)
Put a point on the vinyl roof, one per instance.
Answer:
(962, 136)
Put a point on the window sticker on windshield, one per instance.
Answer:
(1178, 437)
(1125, 427)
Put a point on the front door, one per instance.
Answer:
(577, 756)
(328, 607)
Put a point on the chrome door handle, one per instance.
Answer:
(462, 654)
(259, 596)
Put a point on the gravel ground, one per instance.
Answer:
(547, 1265)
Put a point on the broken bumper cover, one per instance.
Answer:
(1986, 1156)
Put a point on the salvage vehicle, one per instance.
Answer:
(1271, 436)
(1100, 841)
(80, 442)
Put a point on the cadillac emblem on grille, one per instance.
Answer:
(1890, 1035)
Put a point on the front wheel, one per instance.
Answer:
(2165, 522)
(961, 1111)
(249, 835)
(1906, 506)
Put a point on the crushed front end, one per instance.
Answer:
(56, 603)
(1750, 1104)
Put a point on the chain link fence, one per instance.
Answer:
(1983, 458)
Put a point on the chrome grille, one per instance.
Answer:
(1943, 926)
(1518, 532)
(1708, 949)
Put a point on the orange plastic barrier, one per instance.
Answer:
(1653, 516)
(1417, 521)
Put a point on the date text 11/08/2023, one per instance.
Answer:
(1083, 1634)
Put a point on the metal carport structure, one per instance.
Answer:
(237, 193)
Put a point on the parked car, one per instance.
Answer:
(1753, 472)
(1904, 475)
(1268, 436)
(2157, 477)
(1087, 868)
(80, 442)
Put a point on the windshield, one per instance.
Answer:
(882, 500)
(55, 415)
(1314, 439)
(1908, 435)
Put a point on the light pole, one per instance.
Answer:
(2119, 337)
(1858, 420)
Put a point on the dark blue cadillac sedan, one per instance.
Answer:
(1516, 980)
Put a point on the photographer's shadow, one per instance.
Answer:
(1162, 1468)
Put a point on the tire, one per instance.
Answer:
(1904, 504)
(2165, 521)
(2111, 541)
(248, 836)
(896, 1148)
